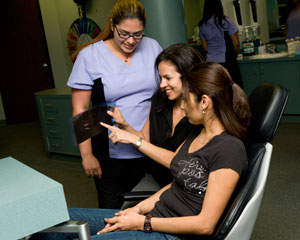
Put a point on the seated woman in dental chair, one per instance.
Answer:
(206, 167)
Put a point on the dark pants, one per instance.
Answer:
(231, 63)
(118, 176)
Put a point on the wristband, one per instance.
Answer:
(147, 224)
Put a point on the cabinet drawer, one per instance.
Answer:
(57, 119)
(52, 118)
(63, 105)
(56, 145)
(63, 132)
(64, 145)
(54, 132)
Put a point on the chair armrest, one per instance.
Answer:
(137, 195)
(80, 227)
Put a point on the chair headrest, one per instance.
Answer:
(267, 102)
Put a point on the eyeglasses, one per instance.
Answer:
(125, 35)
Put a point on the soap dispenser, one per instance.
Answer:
(257, 41)
(248, 44)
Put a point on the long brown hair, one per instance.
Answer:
(230, 102)
(184, 58)
(123, 9)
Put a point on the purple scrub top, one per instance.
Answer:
(129, 86)
(214, 36)
(293, 23)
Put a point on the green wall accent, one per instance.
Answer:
(165, 21)
(193, 12)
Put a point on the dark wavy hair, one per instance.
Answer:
(213, 8)
(230, 102)
(184, 58)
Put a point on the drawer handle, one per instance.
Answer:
(55, 145)
(52, 132)
(51, 118)
(48, 105)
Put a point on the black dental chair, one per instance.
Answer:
(267, 102)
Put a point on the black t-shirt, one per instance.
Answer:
(191, 170)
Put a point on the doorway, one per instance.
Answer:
(25, 64)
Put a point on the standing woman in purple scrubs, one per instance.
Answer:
(219, 38)
(117, 66)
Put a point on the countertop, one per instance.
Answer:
(279, 59)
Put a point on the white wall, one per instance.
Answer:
(228, 9)
(262, 17)
(193, 12)
(57, 17)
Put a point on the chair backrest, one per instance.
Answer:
(267, 103)
(244, 225)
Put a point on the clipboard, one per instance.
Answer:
(87, 123)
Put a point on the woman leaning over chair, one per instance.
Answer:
(206, 167)
(167, 126)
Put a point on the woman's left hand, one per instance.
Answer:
(118, 118)
(119, 135)
(129, 221)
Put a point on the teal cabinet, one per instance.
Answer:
(251, 76)
(285, 72)
(55, 116)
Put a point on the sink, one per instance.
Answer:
(269, 55)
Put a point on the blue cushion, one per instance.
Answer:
(29, 201)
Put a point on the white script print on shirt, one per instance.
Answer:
(193, 175)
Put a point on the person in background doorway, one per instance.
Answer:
(219, 38)
(117, 66)
(292, 19)
(167, 126)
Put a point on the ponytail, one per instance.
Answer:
(237, 120)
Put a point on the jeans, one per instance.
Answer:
(95, 217)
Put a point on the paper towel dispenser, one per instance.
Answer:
(253, 10)
(237, 8)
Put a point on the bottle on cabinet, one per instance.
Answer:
(256, 39)
(248, 44)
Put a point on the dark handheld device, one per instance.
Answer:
(87, 123)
